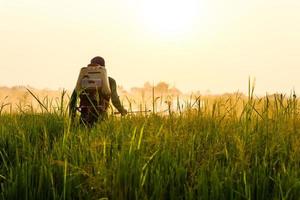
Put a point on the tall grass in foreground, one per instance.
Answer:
(219, 151)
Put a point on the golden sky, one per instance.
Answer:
(192, 44)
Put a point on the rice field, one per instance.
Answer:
(228, 148)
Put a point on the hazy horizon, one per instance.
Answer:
(192, 45)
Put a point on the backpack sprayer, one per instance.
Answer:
(94, 78)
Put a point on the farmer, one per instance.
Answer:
(94, 89)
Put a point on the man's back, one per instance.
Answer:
(94, 103)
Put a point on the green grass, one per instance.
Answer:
(214, 152)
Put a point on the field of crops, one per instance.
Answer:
(225, 149)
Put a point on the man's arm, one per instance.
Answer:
(115, 97)
(72, 105)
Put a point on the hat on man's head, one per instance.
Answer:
(98, 60)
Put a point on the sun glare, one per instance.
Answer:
(170, 17)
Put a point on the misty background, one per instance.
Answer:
(45, 43)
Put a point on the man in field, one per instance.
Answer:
(94, 89)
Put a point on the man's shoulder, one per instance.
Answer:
(111, 80)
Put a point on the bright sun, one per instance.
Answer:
(170, 17)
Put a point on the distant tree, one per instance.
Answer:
(147, 86)
(174, 91)
(135, 90)
(121, 90)
(162, 87)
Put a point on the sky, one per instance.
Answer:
(194, 45)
